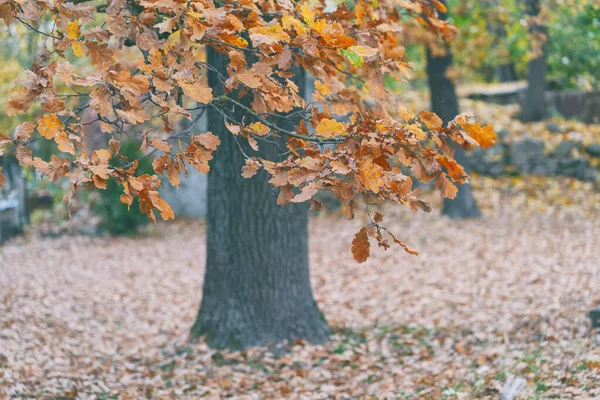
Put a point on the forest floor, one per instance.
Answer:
(504, 295)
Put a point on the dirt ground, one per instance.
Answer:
(504, 295)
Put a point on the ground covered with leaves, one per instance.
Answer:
(504, 295)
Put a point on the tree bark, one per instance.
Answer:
(444, 103)
(257, 286)
(504, 72)
(534, 105)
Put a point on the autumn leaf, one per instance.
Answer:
(441, 7)
(161, 145)
(378, 217)
(363, 51)
(4, 140)
(2, 178)
(484, 135)
(50, 126)
(371, 175)
(355, 59)
(100, 102)
(455, 170)
(234, 129)
(208, 140)
(449, 190)
(197, 91)
(361, 246)
(78, 49)
(251, 168)
(307, 193)
(431, 120)
(249, 78)
(307, 14)
(268, 35)
(54, 169)
(258, 128)
(64, 143)
(73, 31)
(328, 128)
(24, 156)
(115, 146)
(166, 212)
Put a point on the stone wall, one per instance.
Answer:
(530, 156)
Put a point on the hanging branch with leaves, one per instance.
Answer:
(350, 51)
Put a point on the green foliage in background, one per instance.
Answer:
(494, 32)
(116, 218)
(574, 46)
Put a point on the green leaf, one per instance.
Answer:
(355, 59)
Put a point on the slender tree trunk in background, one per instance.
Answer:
(444, 103)
(504, 72)
(257, 287)
(534, 106)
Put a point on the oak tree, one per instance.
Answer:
(153, 63)
(444, 102)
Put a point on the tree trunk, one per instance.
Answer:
(257, 287)
(444, 103)
(534, 105)
(506, 73)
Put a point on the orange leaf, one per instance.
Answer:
(449, 190)
(371, 175)
(250, 169)
(268, 35)
(249, 78)
(361, 246)
(307, 193)
(441, 7)
(197, 91)
(161, 145)
(2, 178)
(431, 120)
(49, 126)
(208, 140)
(484, 135)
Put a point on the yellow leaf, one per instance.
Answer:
(73, 31)
(308, 15)
(330, 127)
(259, 129)
(77, 49)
